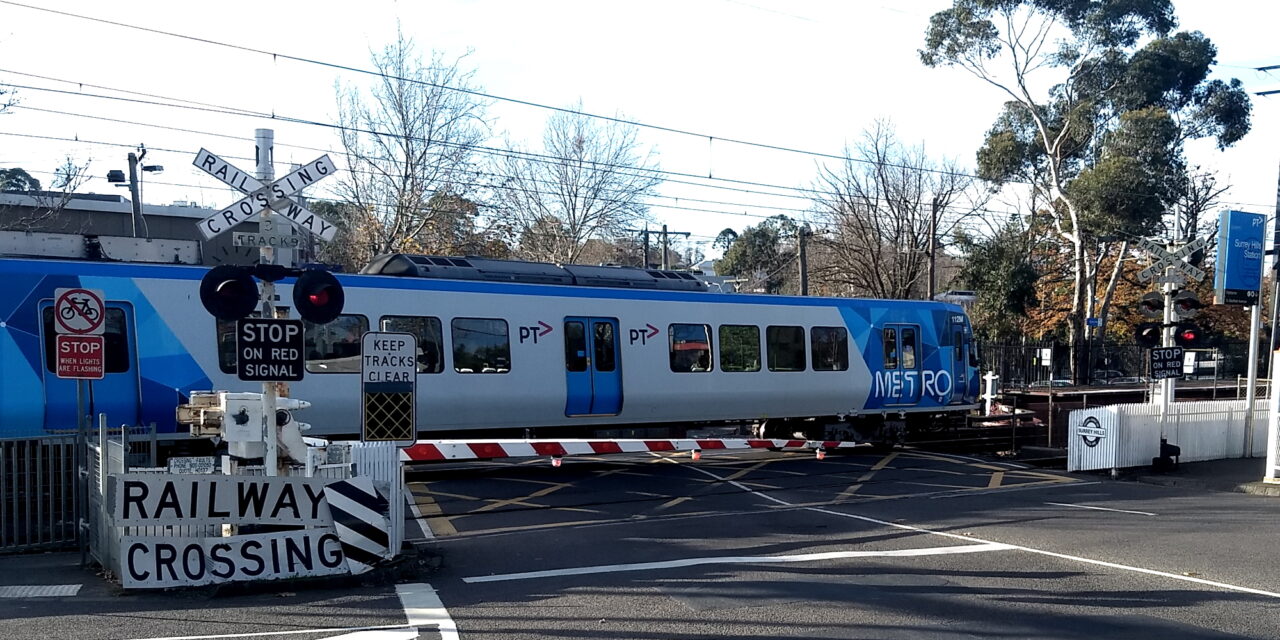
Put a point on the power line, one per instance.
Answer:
(492, 151)
(471, 92)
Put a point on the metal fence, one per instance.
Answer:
(1041, 363)
(38, 501)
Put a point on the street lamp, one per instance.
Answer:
(116, 177)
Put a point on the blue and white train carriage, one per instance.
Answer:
(513, 346)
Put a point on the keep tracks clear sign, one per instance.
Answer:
(388, 385)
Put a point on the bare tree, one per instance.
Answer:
(881, 207)
(590, 181)
(409, 142)
(46, 215)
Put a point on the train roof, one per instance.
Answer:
(491, 270)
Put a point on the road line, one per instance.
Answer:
(422, 606)
(434, 520)
(417, 514)
(494, 504)
(673, 502)
(1085, 506)
(884, 462)
(694, 562)
(1051, 554)
(291, 632)
(39, 590)
(1011, 465)
(997, 477)
(1025, 486)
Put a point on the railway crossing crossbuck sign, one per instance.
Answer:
(259, 196)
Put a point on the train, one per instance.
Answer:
(511, 348)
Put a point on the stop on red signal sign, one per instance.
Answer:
(80, 357)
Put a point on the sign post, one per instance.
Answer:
(388, 386)
(1238, 280)
(265, 196)
(80, 315)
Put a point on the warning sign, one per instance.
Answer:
(388, 382)
(78, 311)
(80, 357)
(269, 350)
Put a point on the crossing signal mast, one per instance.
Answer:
(268, 349)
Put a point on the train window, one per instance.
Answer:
(786, 348)
(334, 347)
(890, 337)
(115, 341)
(605, 347)
(430, 340)
(908, 348)
(739, 347)
(575, 346)
(830, 346)
(481, 345)
(959, 346)
(690, 347)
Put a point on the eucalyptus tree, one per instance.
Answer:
(1102, 96)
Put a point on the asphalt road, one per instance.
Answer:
(758, 545)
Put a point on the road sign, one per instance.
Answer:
(388, 385)
(203, 465)
(269, 350)
(1093, 322)
(1238, 276)
(1166, 362)
(1171, 259)
(79, 311)
(80, 357)
(261, 196)
(259, 240)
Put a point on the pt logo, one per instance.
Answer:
(1091, 432)
(534, 331)
(642, 335)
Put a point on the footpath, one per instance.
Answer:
(1239, 476)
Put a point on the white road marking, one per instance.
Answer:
(39, 590)
(1012, 465)
(422, 606)
(417, 515)
(386, 634)
(1085, 506)
(967, 493)
(291, 632)
(693, 562)
(1052, 554)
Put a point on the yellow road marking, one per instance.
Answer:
(671, 503)
(997, 477)
(853, 488)
(439, 524)
(494, 504)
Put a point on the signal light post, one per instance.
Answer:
(230, 293)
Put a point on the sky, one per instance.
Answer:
(809, 75)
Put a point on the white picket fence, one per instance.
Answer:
(1128, 435)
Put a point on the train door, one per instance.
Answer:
(959, 369)
(116, 394)
(593, 369)
(902, 363)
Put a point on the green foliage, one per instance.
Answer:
(16, 179)
(761, 253)
(1000, 271)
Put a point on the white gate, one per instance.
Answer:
(1128, 435)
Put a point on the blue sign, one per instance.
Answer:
(1238, 277)
(1093, 322)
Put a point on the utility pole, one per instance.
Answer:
(133, 192)
(665, 244)
(803, 257)
(646, 245)
(933, 249)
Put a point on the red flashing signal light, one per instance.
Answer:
(228, 292)
(318, 296)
